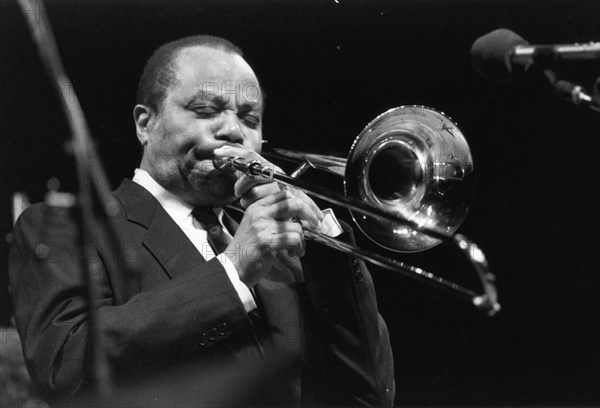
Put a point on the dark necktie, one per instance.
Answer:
(217, 238)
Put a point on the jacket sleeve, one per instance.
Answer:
(178, 316)
(351, 359)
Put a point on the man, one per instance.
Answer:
(180, 325)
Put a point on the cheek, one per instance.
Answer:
(254, 142)
(169, 142)
(161, 151)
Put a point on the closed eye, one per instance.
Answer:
(205, 111)
(251, 120)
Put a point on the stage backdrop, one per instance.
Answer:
(328, 69)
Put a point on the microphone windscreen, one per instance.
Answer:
(490, 55)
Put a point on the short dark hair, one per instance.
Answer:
(159, 71)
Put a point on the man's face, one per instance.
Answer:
(215, 101)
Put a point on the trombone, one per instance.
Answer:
(407, 179)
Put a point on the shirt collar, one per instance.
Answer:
(177, 209)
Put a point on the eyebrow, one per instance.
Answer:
(219, 99)
(205, 96)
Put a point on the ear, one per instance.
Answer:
(143, 117)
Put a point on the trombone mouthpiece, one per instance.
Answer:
(221, 163)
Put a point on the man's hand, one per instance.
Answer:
(247, 188)
(267, 225)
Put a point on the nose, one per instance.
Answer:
(230, 129)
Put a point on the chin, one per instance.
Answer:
(223, 192)
(213, 189)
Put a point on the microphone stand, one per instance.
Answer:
(93, 186)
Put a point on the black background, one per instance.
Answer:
(329, 68)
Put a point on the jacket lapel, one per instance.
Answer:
(164, 239)
(170, 246)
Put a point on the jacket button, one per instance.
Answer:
(223, 329)
(213, 335)
(42, 251)
(358, 278)
(203, 341)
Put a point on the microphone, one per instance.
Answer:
(502, 54)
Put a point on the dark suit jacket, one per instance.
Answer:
(173, 326)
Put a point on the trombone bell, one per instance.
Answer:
(412, 162)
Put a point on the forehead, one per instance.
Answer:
(212, 71)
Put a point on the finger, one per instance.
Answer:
(250, 189)
(309, 201)
(282, 235)
(294, 207)
(290, 241)
(258, 192)
(246, 183)
(244, 153)
(298, 251)
(273, 199)
(238, 151)
(289, 226)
